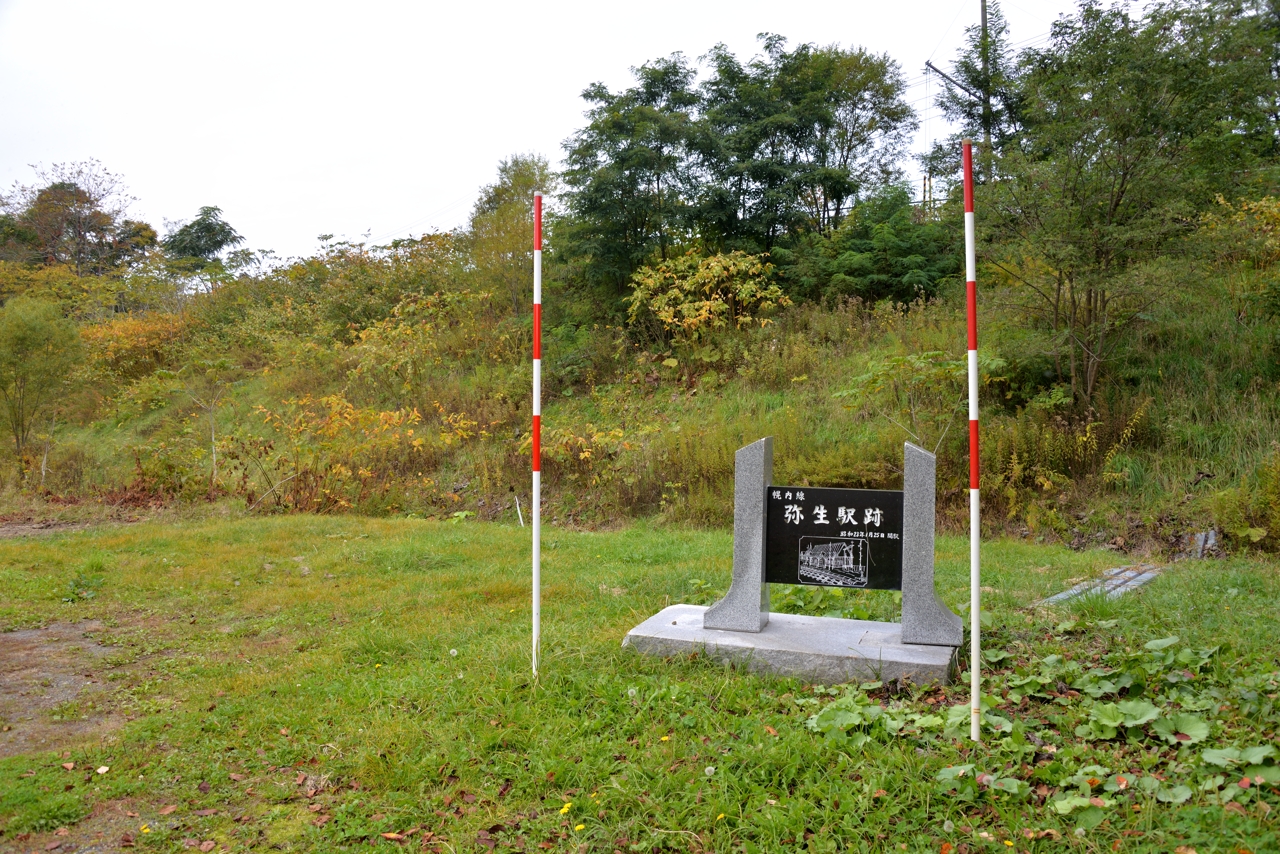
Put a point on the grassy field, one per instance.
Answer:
(316, 683)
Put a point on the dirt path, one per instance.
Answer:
(39, 529)
(51, 690)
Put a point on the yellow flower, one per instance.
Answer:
(720, 816)
(565, 809)
(145, 829)
(1007, 842)
(665, 738)
(580, 827)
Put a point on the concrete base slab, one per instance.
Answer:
(821, 649)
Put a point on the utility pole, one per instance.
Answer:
(986, 94)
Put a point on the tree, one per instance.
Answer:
(882, 250)
(38, 350)
(791, 139)
(1130, 127)
(207, 382)
(752, 158)
(628, 174)
(499, 236)
(202, 239)
(75, 216)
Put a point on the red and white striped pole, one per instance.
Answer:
(975, 570)
(537, 426)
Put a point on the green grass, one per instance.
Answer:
(385, 663)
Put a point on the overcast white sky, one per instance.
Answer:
(377, 117)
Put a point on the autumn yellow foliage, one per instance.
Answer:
(127, 346)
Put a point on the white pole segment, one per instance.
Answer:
(537, 567)
(970, 249)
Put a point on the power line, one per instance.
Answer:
(948, 30)
(421, 219)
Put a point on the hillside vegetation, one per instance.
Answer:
(728, 257)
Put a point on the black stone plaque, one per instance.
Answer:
(833, 537)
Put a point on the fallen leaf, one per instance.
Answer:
(53, 846)
(1098, 802)
(393, 836)
(322, 820)
(190, 843)
(770, 730)
(168, 810)
(206, 812)
(203, 787)
(1050, 834)
(70, 766)
(103, 769)
(126, 840)
(62, 831)
(504, 788)
(301, 778)
(879, 793)
(1245, 783)
(237, 777)
(131, 814)
(947, 848)
(468, 797)
(1236, 808)
(284, 730)
(1184, 849)
(315, 807)
(208, 845)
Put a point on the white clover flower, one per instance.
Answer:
(711, 770)
(948, 826)
(454, 653)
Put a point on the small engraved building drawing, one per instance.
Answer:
(836, 563)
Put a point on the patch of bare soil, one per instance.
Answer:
(52, 693)
(112, 827)
(39, 529)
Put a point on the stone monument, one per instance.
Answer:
(849, 538)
